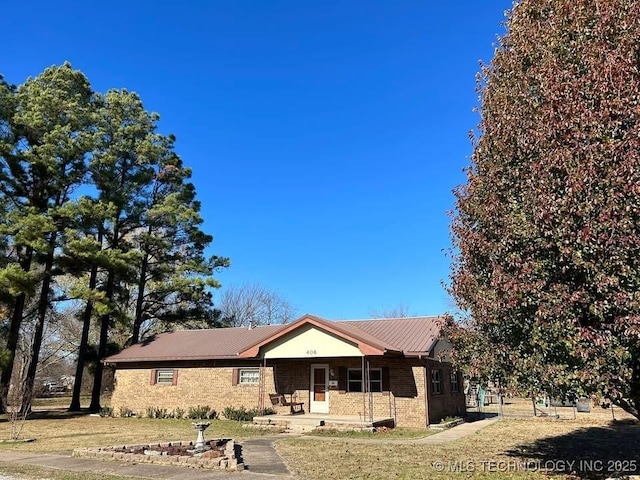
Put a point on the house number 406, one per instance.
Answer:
(311, 352)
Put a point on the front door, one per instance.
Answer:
(319, 389)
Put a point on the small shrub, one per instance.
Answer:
(106, 412)
(199, 412)
(242, 414)
(125, 412)
(212, 414)
(179, 413)
(158, 412)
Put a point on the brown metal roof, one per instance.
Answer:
(410, 336)
(407, 335)
(216, 343)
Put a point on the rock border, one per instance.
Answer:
(447, 425)
(228, 461)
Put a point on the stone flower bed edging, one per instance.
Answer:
(445, 426)
(227, 461)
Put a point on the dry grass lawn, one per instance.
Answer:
(61, 432)
(26, 472)
(510, 449)
(392, 433)
(522, 408)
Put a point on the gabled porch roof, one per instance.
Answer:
(366, 343)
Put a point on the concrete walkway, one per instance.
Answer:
(258, 454)
(261, 462)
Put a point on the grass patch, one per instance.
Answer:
(64, 401)
(61, 432)
(390, 433)
(515, 407)
(28, 472)
(497, 452)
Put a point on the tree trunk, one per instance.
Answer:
(12, 336)
(102, 349)
(142, 282)
(84, 344)
(43, 306)
(533, 402)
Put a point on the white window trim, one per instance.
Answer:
(349, 370)
(252, 370)
(165, 380)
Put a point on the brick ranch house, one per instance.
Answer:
(392, 368)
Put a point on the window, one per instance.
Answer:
(455, 385)
(249, 376)
(375, 380)
(354, 380)
(435, 382)
(165, 377)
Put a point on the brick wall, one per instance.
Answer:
(446, 403)
(212, 385)
(201, 385)
(403, 402)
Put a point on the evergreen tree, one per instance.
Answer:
(132, 243)
(174, 276)
(122, 170)
(51, 127)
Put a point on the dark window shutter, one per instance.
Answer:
(386, 387)
(154, 375)
(234, 377)
(175, 377)
(342, 379)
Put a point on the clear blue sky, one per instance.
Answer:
(325, 137)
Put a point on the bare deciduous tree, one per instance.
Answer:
(253, 304)
(399, 311)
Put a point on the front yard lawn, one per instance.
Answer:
(591, 447)
(61, 432)
(509, 449)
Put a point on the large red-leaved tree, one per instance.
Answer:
(546, 229)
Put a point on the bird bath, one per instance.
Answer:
(217, 454)
(200, 427)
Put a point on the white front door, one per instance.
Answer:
(319, 390)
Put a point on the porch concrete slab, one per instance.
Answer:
(317, 418)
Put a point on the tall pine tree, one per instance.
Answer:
(50, 123)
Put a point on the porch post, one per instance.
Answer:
(261, 384)
(369, 391)
(364, 392)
